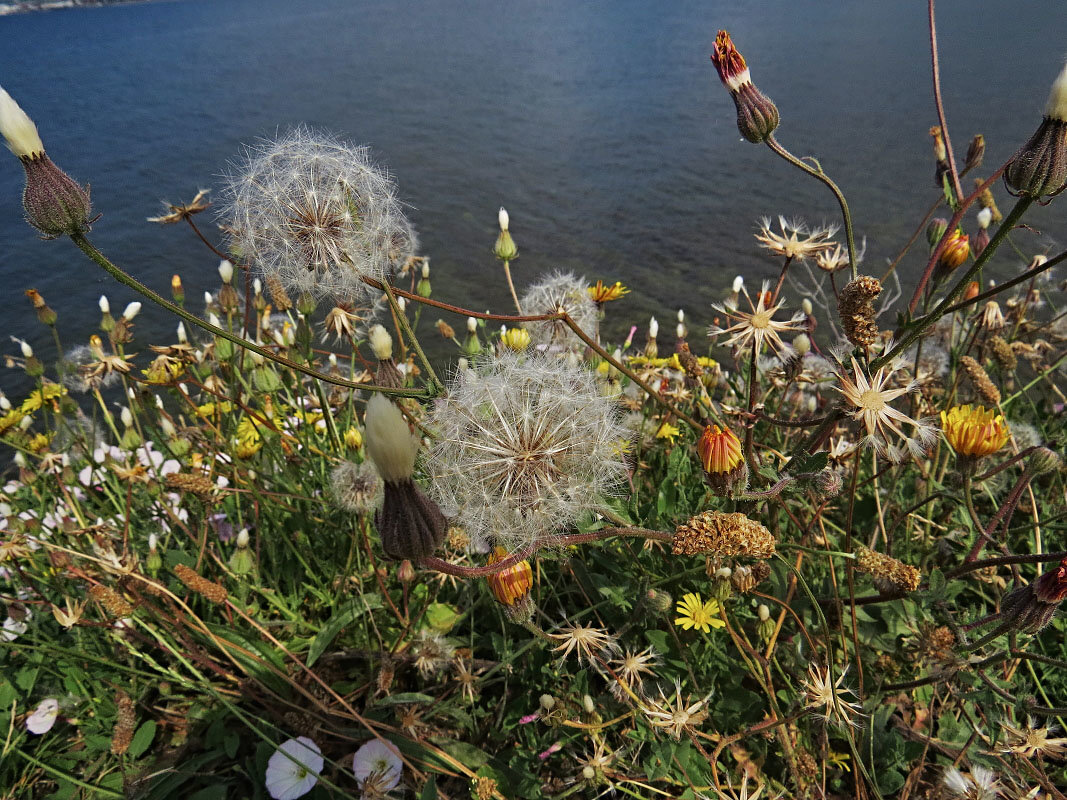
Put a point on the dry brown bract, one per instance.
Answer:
(856, 307)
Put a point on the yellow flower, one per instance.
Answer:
(719, 449)
(667, 431)
(974, 431)
(840, 760)
(210, 409)
(38, 442)
(515, 339)
(353, 438)
(511, 585)
(11, 419)
(249, 441)
(695, 613)
(38, 397)
(163, 369)
(603, 294)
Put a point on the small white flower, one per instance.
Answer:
(381, 343)
(105, 306)
(502, 217)
(132, 310)
(653, 328)
(985, 216)
(24, 346)
(13, 629)
(377, 766)
(293, 769)
(225, 271)
(739, 281)
(43, 717)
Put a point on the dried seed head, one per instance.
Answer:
(193, 483)
(202, 586)
(723, 534)
(560, 292)
(125, 722)
(897, 574)
(1003, 354)
(112, 601)
(983, 386)
(856, 307)
(356, 487)
(317, 215)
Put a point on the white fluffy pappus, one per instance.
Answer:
(525, 446)
(389, 442)
(316, 214)
(561, 291)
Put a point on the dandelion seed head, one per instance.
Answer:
(316, 215)
(561, 291)
(525, 447)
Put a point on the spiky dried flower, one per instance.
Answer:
(867, 400)
(1030, 741)
(723, 534)
(856, 308)
(559, 292)
(887, 570)
(825, 696)
(585, 641)
(675, 714)
(757, 325)
(356, 487)
(983, 386)
(431, 652)
(193, 483)
(796, 241)
(315, 214)
(630, 670)
(525, 447)
(978, 784)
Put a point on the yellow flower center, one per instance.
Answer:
(872, 400)
(761, 320)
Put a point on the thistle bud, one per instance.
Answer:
(757, 116)
(423, 287)
(651, 347)
(1045, 460)
(405, 573)
(725, 470)
(721, 587)
(658, 601)
(1040, 167)
(505, 248)
(971, 291)
(54, 203)
(154, 561)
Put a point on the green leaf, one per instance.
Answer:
(332, 628)
(429, 789)
(216, 792)
(659, 640)
(142, 739)
(937, 585)
(441, 617)
(470, 755)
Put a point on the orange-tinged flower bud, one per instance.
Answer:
(757, 116)
(974, 431)
(971, 291)
(957, 250)
(511, 586)
(720, 450)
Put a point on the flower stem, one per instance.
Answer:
(819, 175)
(511, 286)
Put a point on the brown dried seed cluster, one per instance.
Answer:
(483, 787)
(985, 388)
(724, 535)
(278, 296)
(886, 568)
(1003, 353)
(111, 600)
(689, 361)
(125, 721)
(199, 584)
(936, 643)
(856, 307)
(190, 482)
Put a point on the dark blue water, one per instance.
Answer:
(600, 126)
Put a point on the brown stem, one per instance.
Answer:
(940, 106)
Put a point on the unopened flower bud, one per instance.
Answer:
(975, 152)
(587, 703)
(547, 701)
(105, 306)
(54, 203)
(955, 252)
(505, 248)
(242, 538)
(176, 289)
(659, 601)
(405, 573)
(935, 230)
(1044, 460)
(132, 310)
(806, 306)
(1040, 167)
(802, 344)
(765, 628)
(381, 343)
(757, 116)
(225, 271)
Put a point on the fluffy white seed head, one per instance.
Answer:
(426, 269)
(381, 343)
(502, 217)
(679, 329)
(564, 292)
(105, 306)
(24, 346)
(18, 129)
(739, 281)
(402, 304)
(132, 310)
(209, 299)
(167, 427)
(225, 271)
(316, 214)
(472, 325)
(1057, 98)
(389, 442)
(183, 337)
(524, 447)
(985, 217)
(153, 541)
(257, 287)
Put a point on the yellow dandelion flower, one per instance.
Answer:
(974, 431)
(211, 409)
(719, 449)
(667, 431)
(249, 441)
(695, 613)
(38, 397)
(38, 442)
(11, 419)
(602, 293)
(354, 438)
(840, 760)
(515, 339)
